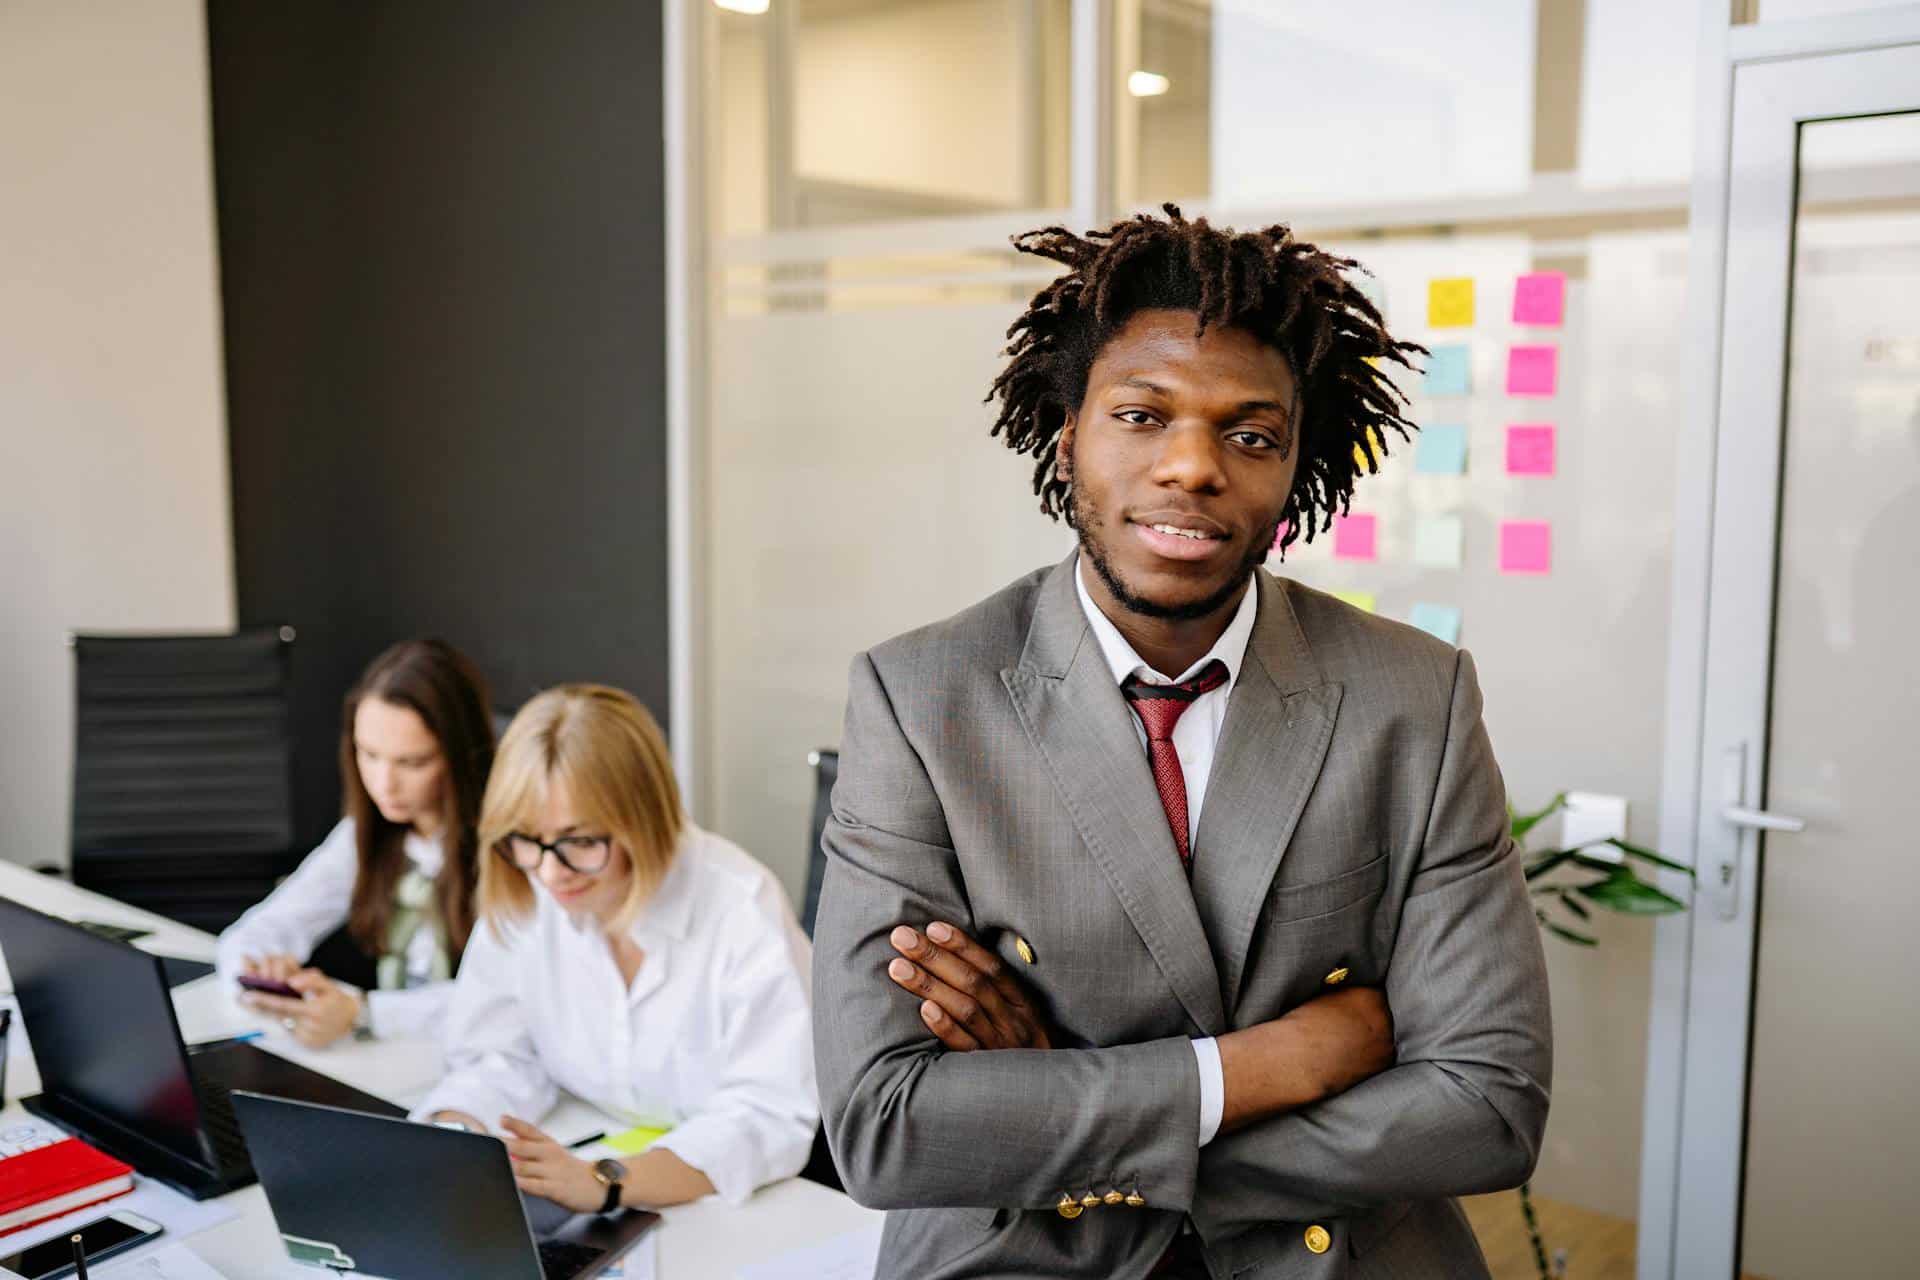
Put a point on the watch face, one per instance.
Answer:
(610, 1170)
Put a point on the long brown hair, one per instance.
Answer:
(443, 687)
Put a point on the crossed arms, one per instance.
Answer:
(1313, 1126)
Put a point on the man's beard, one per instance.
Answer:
(1085, 517)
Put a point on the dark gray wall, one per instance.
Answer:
(441, 263)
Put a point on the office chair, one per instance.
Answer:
(182, 770)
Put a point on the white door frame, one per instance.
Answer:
(1741, 253)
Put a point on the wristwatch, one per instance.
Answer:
(362, 1016)
(611, 1174)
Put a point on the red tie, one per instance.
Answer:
(1160, 707)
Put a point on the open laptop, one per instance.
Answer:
(355, 1192)
(114, 1070)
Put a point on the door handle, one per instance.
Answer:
(1761, 820)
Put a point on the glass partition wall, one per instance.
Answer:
(1514, 174)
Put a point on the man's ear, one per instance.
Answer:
(1063, 451)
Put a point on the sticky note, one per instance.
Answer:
(634, 1140)
(1354, 537)
(1437, 541)
(1530, 450)
(1450, 302)
(1449, 372)
(1358, 599)
(1441, 451)
(1437, 620)
(1526, 546)
(1379, 453)
(1533, 371)
(1540, 298)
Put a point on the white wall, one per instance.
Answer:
(113, 461)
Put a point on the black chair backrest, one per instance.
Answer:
(182, 770)
(826, 768)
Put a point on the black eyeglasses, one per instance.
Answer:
(582, 855)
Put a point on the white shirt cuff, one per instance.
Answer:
(1213, 1088)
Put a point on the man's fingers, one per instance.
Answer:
(946, 1030)
(959, 1006)
(970, 981)
(990, 966)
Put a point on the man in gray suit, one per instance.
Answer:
(1172, 926)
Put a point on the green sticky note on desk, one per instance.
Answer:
(634, 1140)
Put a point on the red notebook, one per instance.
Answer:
(55, 1179)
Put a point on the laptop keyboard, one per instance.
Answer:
(560, 1260)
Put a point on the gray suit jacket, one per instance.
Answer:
(1354, 819)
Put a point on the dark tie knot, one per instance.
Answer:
(1160, 706)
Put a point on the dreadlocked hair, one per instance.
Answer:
(1287, 293)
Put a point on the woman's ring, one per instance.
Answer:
(288, 1023)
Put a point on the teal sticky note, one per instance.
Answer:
(1449, 371)
(1441, 451)
(1438, 620)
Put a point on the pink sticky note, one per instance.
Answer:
(1353, 537)
(1526, 546)
(1530, 450)
(1540, 298)
(1532, 371)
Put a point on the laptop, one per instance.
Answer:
(354, 1192)
(114, 1070)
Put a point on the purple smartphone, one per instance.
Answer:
(268, 986)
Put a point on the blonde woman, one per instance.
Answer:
(646, 966)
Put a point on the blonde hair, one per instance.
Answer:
(607, 751)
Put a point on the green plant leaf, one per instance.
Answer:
(1573, 904)
(1648, 855)
(1546, 862)
(1570, 935)
(1523, 823)
(1624, 892)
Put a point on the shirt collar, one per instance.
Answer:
(1230, 648)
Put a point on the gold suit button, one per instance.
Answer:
(1113, 1197)
(1338, 976)
(1020, 945)
(1069, 1207)
(1136, 1201)
(1317, 1239)
(1089, 1201)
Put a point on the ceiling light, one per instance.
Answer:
(742, 6)
(1147, 84)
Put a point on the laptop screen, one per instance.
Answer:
(101, 1024)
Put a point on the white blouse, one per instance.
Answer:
(713, 1038)
(313, 902)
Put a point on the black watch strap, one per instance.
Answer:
(612, 1201)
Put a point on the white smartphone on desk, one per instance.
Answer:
(102, 1239)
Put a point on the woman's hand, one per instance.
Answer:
(543, 1167)
(323, 1013)
(275, 968)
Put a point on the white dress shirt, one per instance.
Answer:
(1195, 735)
(713, 1038)
(313, 902)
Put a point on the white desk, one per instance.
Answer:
(707, 1240)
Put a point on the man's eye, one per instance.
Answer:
(1252, 439)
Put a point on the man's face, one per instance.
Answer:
(1181, 456)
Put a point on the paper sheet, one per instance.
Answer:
(1437, 541)
(1441, 451)
(1533, 370)
(1450, 302)
(641, 1263)
(1449, 372)
(1438, 620)
(163, 1262)
(1540, 298)
(180, 1216)
(1526, 546)
(1530, 450)
(853, 1256)
(1355, 537)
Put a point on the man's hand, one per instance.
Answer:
(1324, 1047)
(968, 999)
(323, 1012)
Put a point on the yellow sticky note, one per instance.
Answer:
(634, 1140)
(1360, 451)
(1450, 302)
(1358, 599)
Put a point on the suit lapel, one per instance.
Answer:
(1271, 748)
(1073, 711)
